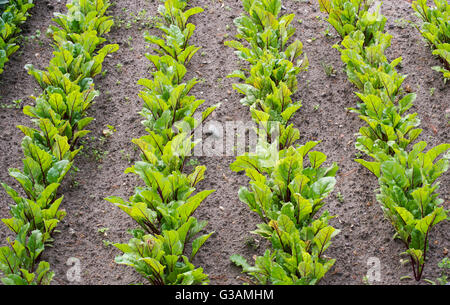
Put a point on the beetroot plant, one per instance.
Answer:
(163, 207)
(407, 176)
(49, 148)
(288, 183)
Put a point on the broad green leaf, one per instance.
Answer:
(198, 242)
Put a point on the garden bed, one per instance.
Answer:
(92, 223)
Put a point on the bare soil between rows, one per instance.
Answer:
(364, 231)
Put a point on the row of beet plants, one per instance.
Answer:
(288, 182)
(435, 29)
(163, 208)
(60, 120)
(407, 175)
(12, 14)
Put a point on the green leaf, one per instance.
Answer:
(437, 150)
(316, 158)
(198, 242)
(240, 261)
(192, 204)
(323, 186)
(425, 224)
(406, 216)
(393, 172)
(304, 207)
(156, 267)
(57, 172)
(374, 167)
(323, 238)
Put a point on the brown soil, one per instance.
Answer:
(364, 232)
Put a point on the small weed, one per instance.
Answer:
(401, 23)
(99, 155)
(119, 67)
(125, 156)
(102, 140)
(365, 280)
(193, 162)
(340, 197)
(443, 279)
(16, 104)
(107, 243)
(329, 69)
(327, 33)
(75, 184)
(129, 41)
(103, 230)
(251, 242)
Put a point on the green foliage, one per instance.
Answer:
(287, 195)
(284, 192)
(13, 14)
(49, 149)
(283, 180)
(177, 32)
(160, 259)
(436, 30)
(409, 198)
(274, 65)
(166, 97)
(272, 77)
(407, 177)
(346, 16)
(163, 208)
(18, 261)
(445, 267)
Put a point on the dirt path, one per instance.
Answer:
(92, 222)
